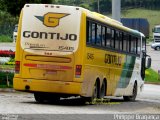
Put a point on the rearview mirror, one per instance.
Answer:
(149, 61)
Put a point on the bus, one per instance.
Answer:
(64, 51)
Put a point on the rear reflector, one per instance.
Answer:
(47, 66)
(17, 67)
(78, 70)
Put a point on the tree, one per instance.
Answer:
(14, 7)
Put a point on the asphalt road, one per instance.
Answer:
(150, 93)
(23, 103)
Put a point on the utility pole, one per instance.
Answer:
(116, 10)
(98, 6)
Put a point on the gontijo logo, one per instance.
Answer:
(51, 19)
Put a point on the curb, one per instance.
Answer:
(7, 90)
(154, 83)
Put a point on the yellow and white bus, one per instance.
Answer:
(66, 51)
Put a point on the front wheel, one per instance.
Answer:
(134, 94)
(103, 90)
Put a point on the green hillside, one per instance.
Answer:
(153, 16)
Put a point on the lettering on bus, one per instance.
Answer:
(90, 56)
(37, 45)
(48, 53)
(113, 59)
(68, 48)
(49, 35)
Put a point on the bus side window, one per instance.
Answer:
(99, 35)
(133, 45)
(144, 44)
(128, 43)
(108, 37)
(93, 33)
(103, 36)
(138, 46)
(113, 39)
(117, 40)
(121, 41)
(89, 32)
(124, 42)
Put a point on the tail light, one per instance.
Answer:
(17, 67)
(78, 70)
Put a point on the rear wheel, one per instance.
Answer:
(103, 90)
(95, 95)
(39, 97)
(157, 48)
(134, 94)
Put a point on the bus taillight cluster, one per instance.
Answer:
(78, 70)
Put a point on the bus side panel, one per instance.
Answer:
(99, 64)
(18, 56)
(130, 74)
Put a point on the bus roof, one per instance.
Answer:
(94, 15)
(111, 22)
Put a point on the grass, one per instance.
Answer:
(5, 86)
(152, 76)
(3, 79)
(153, 16)
(5, 38)
(7, 66)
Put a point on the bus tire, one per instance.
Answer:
(157, 48)
(53, 98)
(39, 97)
(134, 95)
(95, 95)
(103, 89)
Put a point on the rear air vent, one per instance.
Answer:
(49, 59)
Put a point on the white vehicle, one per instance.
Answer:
(156, 46)
(156, 33)
(15, 33)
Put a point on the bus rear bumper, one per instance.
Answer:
(60, 87)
